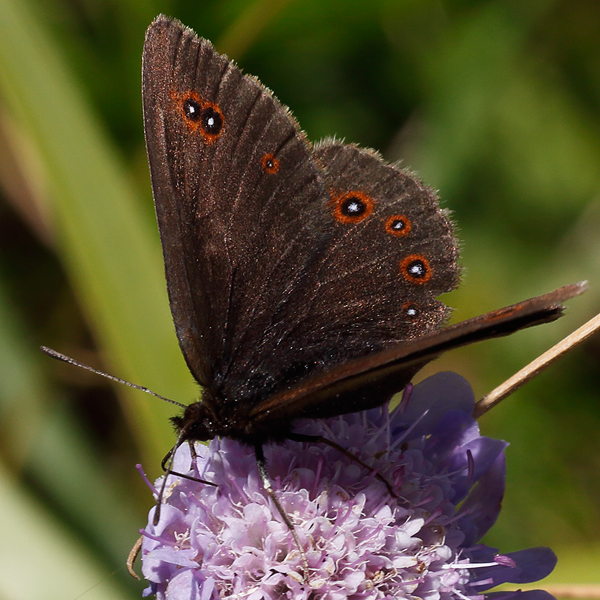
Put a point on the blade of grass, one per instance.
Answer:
(107, 242)
(40, 559)
(41, 438)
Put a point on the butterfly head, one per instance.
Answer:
(196, 423)
(199, 422)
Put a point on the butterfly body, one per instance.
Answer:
(303, 280)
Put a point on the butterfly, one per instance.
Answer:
(303, 280)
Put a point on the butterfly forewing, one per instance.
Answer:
(238, 199)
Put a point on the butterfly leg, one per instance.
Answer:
(266, 481)
(166, 464)
(319, 439)
(164, 461)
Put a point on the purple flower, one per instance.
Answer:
(360, 543)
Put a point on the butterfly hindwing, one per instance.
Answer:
(362, 296)
(368, 274)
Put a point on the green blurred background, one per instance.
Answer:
(495, 103)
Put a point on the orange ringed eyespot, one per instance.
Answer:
(410, 310)
(200, 116)
(398, 225)
(415, 269)
(211, 120)
(352, 207)
(192, 109)
(270, 164)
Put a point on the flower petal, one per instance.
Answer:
(484, 502)
(434, 396)
(532, 564)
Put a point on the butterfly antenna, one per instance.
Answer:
(76, 363)
(266, 481)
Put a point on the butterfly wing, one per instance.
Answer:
(393, 249)
(238, 198)
(302, 281)
(390, 252)
(370, 380)
(268, 281)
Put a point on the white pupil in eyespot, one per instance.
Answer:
(353, 207)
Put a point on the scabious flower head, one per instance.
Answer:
(229, 541)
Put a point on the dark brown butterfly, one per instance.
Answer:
(302, 280)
